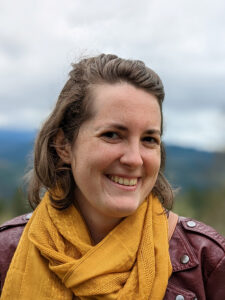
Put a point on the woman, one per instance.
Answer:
(101, 229)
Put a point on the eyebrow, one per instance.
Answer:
(125, 129)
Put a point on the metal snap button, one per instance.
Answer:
(28, 216)
(179, 297)
(191, 223)
(184, 259)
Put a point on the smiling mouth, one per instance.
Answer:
(123, 180)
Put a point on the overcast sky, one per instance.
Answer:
(182, 40)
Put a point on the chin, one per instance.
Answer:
(124, 211)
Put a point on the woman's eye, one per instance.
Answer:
(110, 135)
(151, 140)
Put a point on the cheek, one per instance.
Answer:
(153, 162)
(89, 163)
(103, 156)
(158, 161)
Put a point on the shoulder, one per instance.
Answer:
(196, 228)
(197, 254)
(17, 221)
(10, 233)
(11, 230)
(198, 240)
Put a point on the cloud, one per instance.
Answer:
(182, 40)
(199, 129)
(19, 118)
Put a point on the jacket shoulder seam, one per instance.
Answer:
(204, 230)
(16, 222)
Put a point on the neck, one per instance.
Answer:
(99, 227)
(98, 224)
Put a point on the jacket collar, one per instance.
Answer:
(182, 254)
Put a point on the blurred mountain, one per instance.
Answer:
(185, 168)
(189, 168)
(15, 152)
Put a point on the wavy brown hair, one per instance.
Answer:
(72, 109)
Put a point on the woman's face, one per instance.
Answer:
(116, 157)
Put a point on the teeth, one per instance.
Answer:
(120, 180)
(124, 181)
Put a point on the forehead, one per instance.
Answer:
(124, 102)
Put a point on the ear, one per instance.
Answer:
(62, 147)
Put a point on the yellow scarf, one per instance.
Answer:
(56, 260)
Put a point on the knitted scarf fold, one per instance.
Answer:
(55, 258)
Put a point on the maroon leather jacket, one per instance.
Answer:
(197, 254)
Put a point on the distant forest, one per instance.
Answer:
(197, 176)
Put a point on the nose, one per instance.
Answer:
(132, 157)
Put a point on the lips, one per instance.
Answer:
(123, 180)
